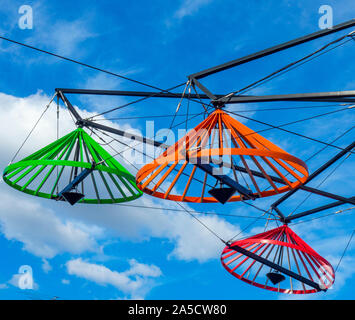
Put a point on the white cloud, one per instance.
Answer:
(24, 218)
(190, 7)
(345, 272)
(15, 281)
(104, 82)
(142, 269)
(46, 267)
(190, 239)
(65, 281)
(18, 118)
(40, 230)
(239, 109)
(133, 281)
(65, 37)
(36, 223)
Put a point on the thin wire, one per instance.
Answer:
(292, 132)
(246, 228)
(33, 128)
(142, 117)
(257, 83)
(295, 67)
(322, 216)
(188, 108)
(346, 248)
(100, 70)
(258, 208)
(154, 138)
(132, 102)
(118, 153)
(187, 211)
(242, 111)
(320, 150)
(177, 109)
(230, 95)
(294, 108)
(197, 212)
(325, 179)
(198, 95)
(299, 65)
(85, 64)
(325, 147)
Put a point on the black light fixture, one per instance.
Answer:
(72, 197)
(275, 277)
(222, 194)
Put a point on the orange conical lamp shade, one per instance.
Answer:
(221, 151)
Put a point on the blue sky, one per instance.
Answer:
(159, 254)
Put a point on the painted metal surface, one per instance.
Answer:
(280, 251)
(46, 172)
(220, 141)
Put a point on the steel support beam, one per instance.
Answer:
(69, 106)
(272, 50)
(302, 187)
(243, 98)
(122, 133)
(204, 89)
(336, 96)
(316, 173)
(137, 93)
(315, 210)
(327, 194)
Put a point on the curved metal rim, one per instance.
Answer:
(84, 200)
(320, 259)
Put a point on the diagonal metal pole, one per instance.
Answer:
(276, 267)
(315, 210)
(272, 50)
(69, 106)
(315, 174)
(339, 96)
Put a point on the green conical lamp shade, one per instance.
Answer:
(50, 170)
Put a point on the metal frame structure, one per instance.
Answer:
(219, 100)
(341, 200)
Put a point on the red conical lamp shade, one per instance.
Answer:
(280, 261)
